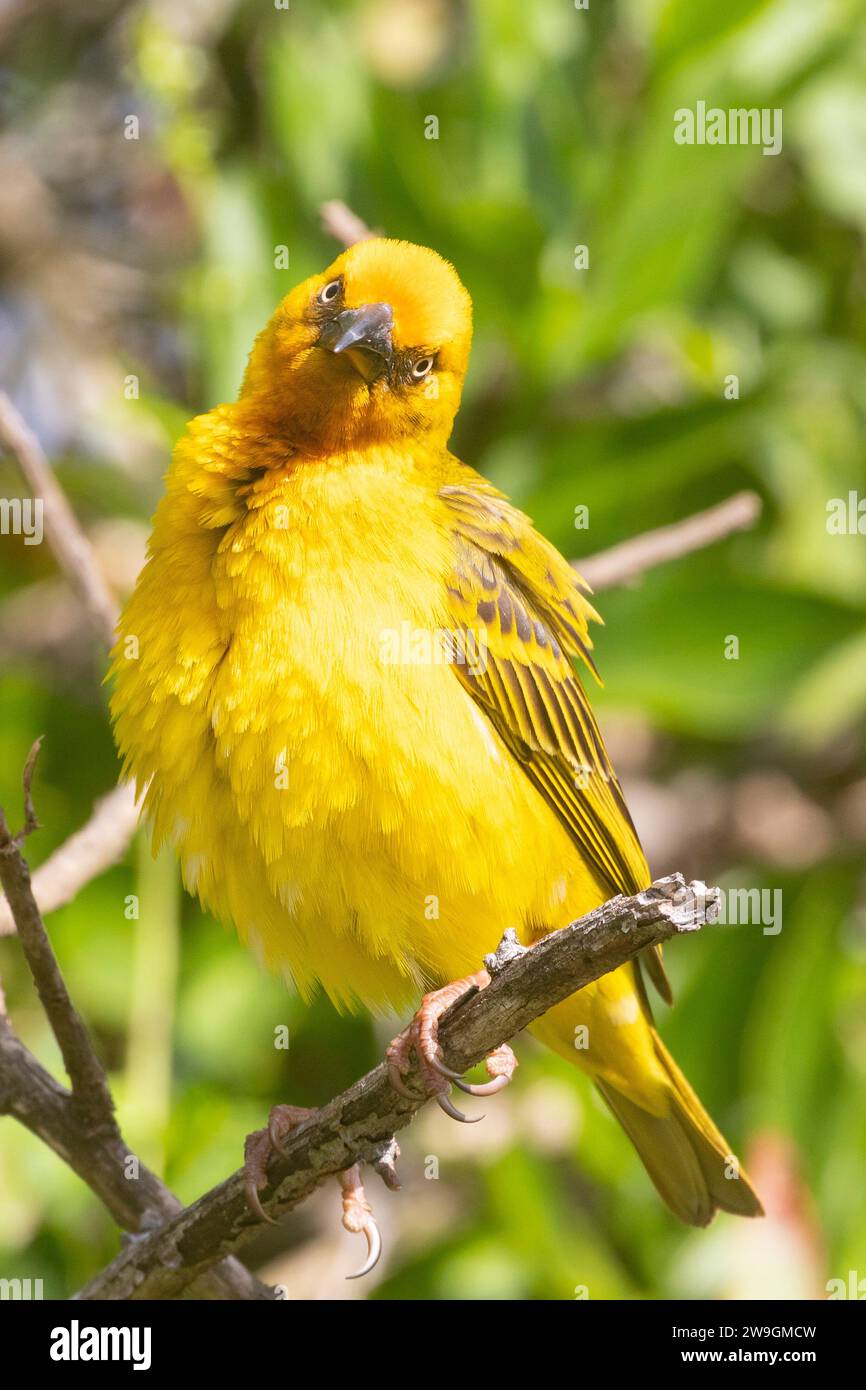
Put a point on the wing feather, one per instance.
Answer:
(525, 607)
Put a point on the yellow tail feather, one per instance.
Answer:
(687, 1158)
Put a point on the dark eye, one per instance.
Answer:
(330, 292)
(422, 367)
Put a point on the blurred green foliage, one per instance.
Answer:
(601, 387)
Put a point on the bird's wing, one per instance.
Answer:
(525, 614)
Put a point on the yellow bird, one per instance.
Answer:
(346, 686)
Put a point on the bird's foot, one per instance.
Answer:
(422, 1038)
(358, 1216)
(258, 1148)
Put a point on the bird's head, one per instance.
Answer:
(372, 350)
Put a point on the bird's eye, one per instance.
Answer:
(330, 292)
(422, 367)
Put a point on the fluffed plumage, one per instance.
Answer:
(347, 687)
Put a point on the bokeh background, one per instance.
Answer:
(146, 265)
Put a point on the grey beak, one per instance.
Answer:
(364, 335)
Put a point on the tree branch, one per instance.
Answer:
(624, 563)
(100, 843)
(344, 225)
(89, 1082)
(358, 1125)
(80, 1126)
(72, 549)
(135, 1197)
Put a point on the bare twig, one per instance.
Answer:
(100, 843)
(31, 1095)
(71, 547)
(80, 1126)
(89, 1083)
(624, 563)
(344, 225)
(30, 821)
(133, 1195)
(358, 1125)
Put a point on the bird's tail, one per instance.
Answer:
(687, 1157)
(684, 1153)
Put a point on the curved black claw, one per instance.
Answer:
(483, 1088)
(500, 1065)
(443, 1100)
